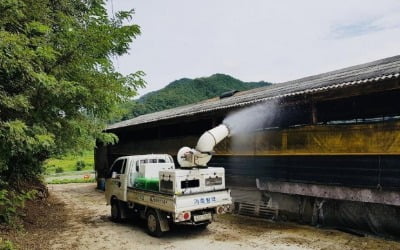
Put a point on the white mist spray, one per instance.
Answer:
(250, 119)
(243, 123)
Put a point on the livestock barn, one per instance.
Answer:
(328, 154)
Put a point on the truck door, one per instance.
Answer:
(116, 180)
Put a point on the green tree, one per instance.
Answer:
(58, 86)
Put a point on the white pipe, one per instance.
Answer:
(212, 137)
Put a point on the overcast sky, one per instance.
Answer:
(255, 40)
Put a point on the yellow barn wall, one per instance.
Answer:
(379, 138)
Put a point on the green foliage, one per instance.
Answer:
(68, 162)
(11, 203)
(66, 181)
(59, 170)
(186, 91)
(58, 86)
(80, 165)
(6, 245)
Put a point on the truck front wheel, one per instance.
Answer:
(153, 224)
(115, 211)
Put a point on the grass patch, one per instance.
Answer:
(70, 163)
(77, 180)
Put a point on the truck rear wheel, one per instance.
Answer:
(153, 224)
(115, 211)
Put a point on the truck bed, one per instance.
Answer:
(179, 203)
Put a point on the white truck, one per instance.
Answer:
(151, 187)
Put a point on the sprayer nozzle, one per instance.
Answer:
(229, 129)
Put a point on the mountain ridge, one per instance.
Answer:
(186, 91)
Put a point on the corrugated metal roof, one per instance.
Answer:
(375, 71)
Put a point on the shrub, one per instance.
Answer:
(11, 203)
(6, 245)
(80, 165)
(59, 170)
(49, 169)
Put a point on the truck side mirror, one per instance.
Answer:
(114, 175)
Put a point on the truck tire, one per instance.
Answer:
(153, 224)
(115, 211)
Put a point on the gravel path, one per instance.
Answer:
(89, 227)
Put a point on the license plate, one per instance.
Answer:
(202, 217)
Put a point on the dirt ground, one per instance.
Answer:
(88, 227)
